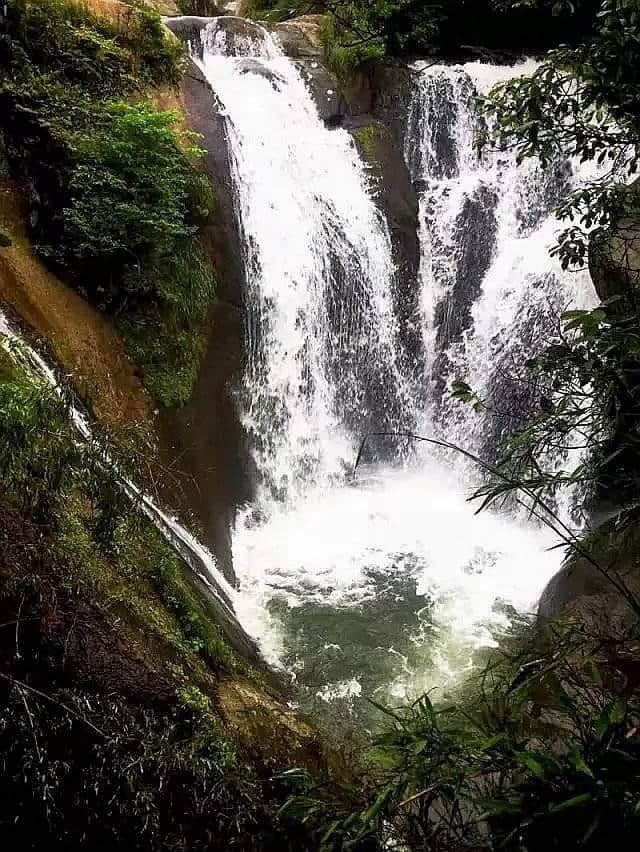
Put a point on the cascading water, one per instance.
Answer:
(490, 290)
(386, 581)
(322, 338)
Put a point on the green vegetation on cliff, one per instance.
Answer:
(116, 198)
(360, 31)
(114, 730)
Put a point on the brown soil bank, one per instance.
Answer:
(82, 340)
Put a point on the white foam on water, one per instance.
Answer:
(321, 333)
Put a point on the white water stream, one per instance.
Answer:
(386, 581)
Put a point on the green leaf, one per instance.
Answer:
(573, 802)
(419, 746)
(617, 712)
(577, 759)
(493, 741)
(532, 762)
(371, 813)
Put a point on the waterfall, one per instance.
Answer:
(322, 338)
(383, 582)
(490, 292)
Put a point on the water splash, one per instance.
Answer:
(386, 581)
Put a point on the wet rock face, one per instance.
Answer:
(395, 196)
(476, 229)
(237, 36)
(324, 88)
(535, 207)
(578, 591)
(374, 109)
(205, 435)
(188, 28)
(248, 65)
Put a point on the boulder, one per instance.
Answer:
(241, 37)
(232, 36)
(583, 589)
(300, 37)
(249, 65)
(614, 263)
(614, 260)
(187, 28)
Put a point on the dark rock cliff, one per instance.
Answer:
(205, 436)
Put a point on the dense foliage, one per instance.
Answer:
(108, 735)
(358, 31)
(206, 8)
(116, 199)
(539, 750)
(134, 778)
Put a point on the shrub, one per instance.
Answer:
(343, 56)
(117, 201)
(538, 751)
(66, 41)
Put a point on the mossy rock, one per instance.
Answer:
(370, 138)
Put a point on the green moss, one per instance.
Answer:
(194, 699)
(369, 139)
(7, 366)
(202, 634)
(169, 340)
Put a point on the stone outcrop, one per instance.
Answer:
(205, 435)
(585, 586)
(615, 263)
(301, 38)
